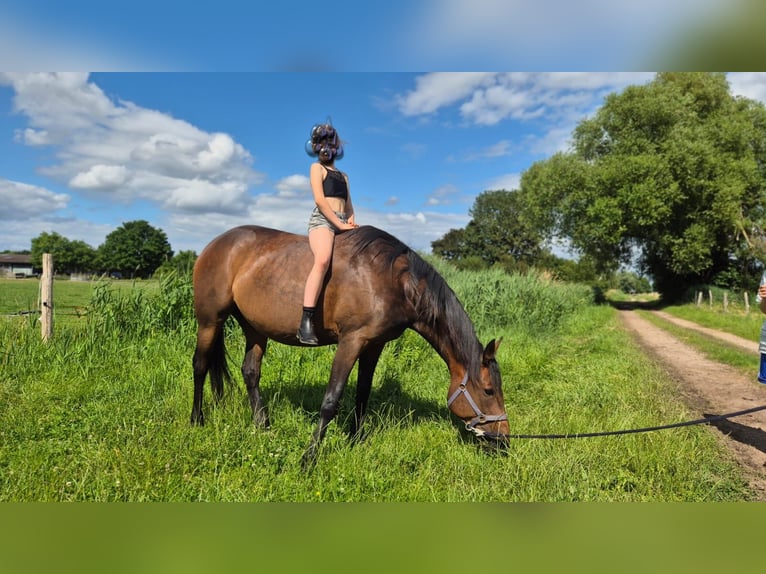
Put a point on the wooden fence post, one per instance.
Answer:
(747, 304)
(710, 295)
(725, 301)
(46, 297)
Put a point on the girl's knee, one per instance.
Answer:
(321, 264)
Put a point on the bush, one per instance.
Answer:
(496, 300)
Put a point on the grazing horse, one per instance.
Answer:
(375, 288)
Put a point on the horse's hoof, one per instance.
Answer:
(308, 460)
(197, 420)
(357, 436)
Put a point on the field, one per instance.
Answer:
(101, 413)
(71, 298)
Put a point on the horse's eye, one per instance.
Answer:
(490, 392)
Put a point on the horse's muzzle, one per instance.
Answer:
(497, 440)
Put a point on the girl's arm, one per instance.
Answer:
(349, 205)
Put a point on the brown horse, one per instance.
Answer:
(375, 289)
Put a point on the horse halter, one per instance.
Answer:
(480, 417)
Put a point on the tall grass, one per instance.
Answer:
(139, 313)
(101, 413)
(529, 302)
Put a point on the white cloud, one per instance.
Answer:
(22, 201)
(508, 182)
(556, 139)
(100, 177)
(205, 196)
(16, 235)
(500, 149)
(444, 195)
(748, 84)
(294, 186)
(432, 91)
(127, 152)
(192, 231)
(417, 230)
(33, 137)
(488, 98)
(555, 101)
(29, 211)
(220, 150)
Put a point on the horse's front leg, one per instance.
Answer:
(344, 360)
(368, 360)
(251, 373)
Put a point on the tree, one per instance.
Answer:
(135, 249)
(82, 257)
(68, 256)
(496, 233)
(630, 282)
(52, 243)
(452, 246)
(674, 170)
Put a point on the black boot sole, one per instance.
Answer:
(312, 342)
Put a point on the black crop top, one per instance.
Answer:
(334, 185)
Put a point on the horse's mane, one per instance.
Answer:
(437, 304)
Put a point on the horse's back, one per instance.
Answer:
(236, 249)
(261, 273)
(246, 259)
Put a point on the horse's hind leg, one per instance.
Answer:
(206, 336)
(251, 373)
(368, 360)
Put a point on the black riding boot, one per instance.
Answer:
(306, 333)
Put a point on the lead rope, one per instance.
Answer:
(706, 420)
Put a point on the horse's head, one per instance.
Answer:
(479, 402)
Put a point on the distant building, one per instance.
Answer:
(16, 265)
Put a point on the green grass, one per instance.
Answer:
(733, 321)
(102, 414)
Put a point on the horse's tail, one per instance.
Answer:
(219, 369)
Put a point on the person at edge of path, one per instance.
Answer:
(761, 300)
(332, 214)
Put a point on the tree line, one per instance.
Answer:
(133, 250)
(668, 178)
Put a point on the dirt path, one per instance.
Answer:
(713, 389)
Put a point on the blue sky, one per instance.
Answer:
(197, 153)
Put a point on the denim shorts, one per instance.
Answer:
(317, 219)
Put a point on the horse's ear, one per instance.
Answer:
(491, 349)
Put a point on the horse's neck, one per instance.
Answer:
(444, 345)
(443, 322)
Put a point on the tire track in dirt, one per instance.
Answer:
(712, 388)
